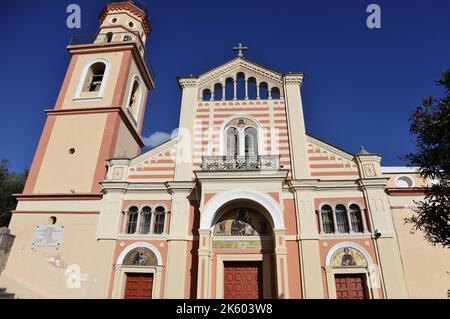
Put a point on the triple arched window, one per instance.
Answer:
(145, 221)
(340, 219)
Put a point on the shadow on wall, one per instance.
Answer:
(6, 242)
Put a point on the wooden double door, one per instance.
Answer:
(351, 286)
(243, 280)
(139, 286)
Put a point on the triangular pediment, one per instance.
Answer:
(231, 68)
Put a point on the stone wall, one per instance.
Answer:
(6, 242)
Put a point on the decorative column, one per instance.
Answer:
(204, 261)
(235, 89)
(224, 85)
(281, 264)
(138, 222)
(246, 89)
(269, 93)
(333, 216)
(257, 91)
(350, 229)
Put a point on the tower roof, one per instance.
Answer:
(138, 8)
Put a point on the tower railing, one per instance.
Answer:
(113, 38)
(241, 163)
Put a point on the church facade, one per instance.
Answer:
(242, 203)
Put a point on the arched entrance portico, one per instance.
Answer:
(242, 237)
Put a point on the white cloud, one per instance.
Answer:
(156, 138)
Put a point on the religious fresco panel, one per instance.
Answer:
(242, 222)
(348, 257)
(140, 257)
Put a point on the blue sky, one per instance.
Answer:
(361, 85)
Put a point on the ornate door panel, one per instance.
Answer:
(351, 286)
(139, 286)
(243, 280)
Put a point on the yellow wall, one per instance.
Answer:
(425, 266)
(62, 172)
(126, 146)
(40, 272)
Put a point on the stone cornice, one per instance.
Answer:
(58, 197)
(413, 191)
(180, 186)
(322, 185)
(133, 187)
(118, 162)
(293, 78)
(260, 176)
(187, 82)
(372, 183)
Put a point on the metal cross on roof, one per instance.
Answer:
(240, 48)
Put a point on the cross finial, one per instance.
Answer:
(240, 50)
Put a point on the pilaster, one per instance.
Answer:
(296, 125)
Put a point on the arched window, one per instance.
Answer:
(275, 92)
(341, 219)
(146, 219)
(229, 89)
(206, 95)
(251, 84)
(240, 79)
(218, 92)
(327, 219)
(135, 99)
(132, 220)
(160, 215)
(264, 91)
(356, 219)
(94, 77)
(251, 142)
(232, 142)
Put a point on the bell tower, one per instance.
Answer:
(100, 109)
